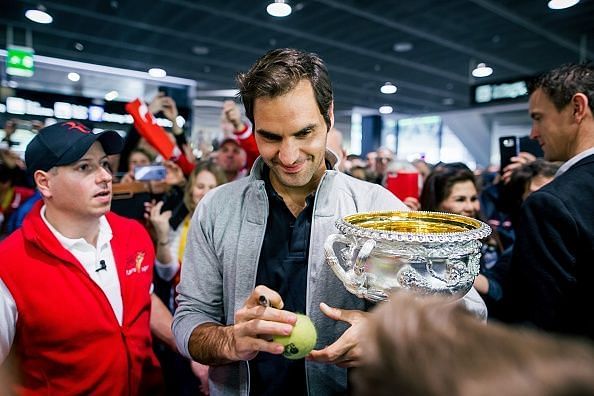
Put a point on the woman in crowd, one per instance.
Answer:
(453, 189)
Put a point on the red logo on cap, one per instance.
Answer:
(78, 126)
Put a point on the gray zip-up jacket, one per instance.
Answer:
(221, 260)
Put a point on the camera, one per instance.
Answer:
(150, 172)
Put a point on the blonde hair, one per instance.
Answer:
(200, 167)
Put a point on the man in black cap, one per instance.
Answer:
(75, 278)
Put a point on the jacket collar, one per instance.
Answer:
(582, 158)
(36, 232)
(39, 235)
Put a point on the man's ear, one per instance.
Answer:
(42, 181)
(581, 106)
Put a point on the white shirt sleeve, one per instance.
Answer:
(167, 271)
(8, 319)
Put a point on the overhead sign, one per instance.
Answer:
(488, 93)
(54, 105)
(19, 61)
(67, 111)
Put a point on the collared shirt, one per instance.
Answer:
(572, 161)
(283, 268)
(92, 259)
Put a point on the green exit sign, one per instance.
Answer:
(19, 61)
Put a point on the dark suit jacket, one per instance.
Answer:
(552, 272)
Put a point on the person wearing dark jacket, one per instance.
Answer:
(552, 265)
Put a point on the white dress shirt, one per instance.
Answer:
(571, 162)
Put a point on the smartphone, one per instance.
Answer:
(403, 184)
(508, 147)
(150, 172)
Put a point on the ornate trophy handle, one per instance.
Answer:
(352, 278)
(331, 258)
(362, 257)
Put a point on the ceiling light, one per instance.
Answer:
(388, 88)
(200, 50)
(447, 101)
(79, 46)
(482, 70)
(39, 15)
(157, 72)
(386, 109)
(72, 76)
(562, 4)
(403, 46)
(279, 9)
(111, 95)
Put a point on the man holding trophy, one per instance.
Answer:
(255, 251)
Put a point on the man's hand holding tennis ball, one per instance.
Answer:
(262, 325)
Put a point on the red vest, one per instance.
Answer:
(68, 340)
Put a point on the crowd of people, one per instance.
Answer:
(162, 292)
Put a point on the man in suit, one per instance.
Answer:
(553, 259)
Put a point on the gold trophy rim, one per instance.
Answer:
(420, 226)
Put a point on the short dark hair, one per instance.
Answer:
(278, 72)
(561, 83)
(512, 193)
(438, 185)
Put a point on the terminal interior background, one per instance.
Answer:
(95, 55)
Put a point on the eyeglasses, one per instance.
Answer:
(384, 159)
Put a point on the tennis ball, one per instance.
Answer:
(301, 341)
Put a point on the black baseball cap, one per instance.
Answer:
(65, 143)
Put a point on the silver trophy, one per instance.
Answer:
(426, 252)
